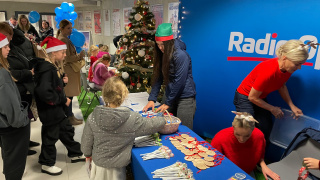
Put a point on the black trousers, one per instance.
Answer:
(62, 131)
(263, 116)
(14, 143)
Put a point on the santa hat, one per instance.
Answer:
(164, 32)
(51, 44)
(3, 40)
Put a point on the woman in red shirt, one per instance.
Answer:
(267, 77)
(243, 144)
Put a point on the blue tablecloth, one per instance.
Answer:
(142, 169)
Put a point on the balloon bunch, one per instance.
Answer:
(65, 11)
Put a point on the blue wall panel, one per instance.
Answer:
(206, 28)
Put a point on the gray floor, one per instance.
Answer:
(71, 171)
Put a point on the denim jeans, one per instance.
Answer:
(263, 116)
(184, 109)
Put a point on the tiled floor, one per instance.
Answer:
(71, 171)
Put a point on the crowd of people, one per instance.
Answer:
(52, 81)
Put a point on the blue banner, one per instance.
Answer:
(227, 39)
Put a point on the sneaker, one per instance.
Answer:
(51, 170)
(73, 121)
(31, 152)
(33, 144)
(78, 159)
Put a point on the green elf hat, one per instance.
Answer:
(164, 32)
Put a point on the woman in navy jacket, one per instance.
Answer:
(173, 68)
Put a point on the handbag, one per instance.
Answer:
(76, 66)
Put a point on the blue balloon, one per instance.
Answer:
(74, 29)
(65, 15)
(34, 16)
(65, 7)
(73, 15)
(78, 49)
(71, 7)
(57, 26)
(72, 22)
(58, 19)
(58, 11)
(77, 38)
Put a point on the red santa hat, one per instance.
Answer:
(3, 40)
(51, 44)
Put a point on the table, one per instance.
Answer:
(142, 169)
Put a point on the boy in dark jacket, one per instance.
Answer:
(51, 103)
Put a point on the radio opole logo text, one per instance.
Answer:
(267, 45)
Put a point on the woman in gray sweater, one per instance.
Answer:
(110, 131)
(14, 121)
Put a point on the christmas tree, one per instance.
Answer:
(135, 53)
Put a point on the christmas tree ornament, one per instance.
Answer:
(141, 53)
(138, 85)
(137, 17)
(144, 30)
(125, 75)
(145, 81)
(131, 87)
(125, 40)
(138, 2)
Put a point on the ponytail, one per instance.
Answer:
(105, 57)
(62, 25)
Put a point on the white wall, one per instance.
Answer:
(11, 7)
(118, 4)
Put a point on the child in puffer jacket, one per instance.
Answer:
(110, 131)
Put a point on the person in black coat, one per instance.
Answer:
(46, 30)
(51, 103)
(27, 28)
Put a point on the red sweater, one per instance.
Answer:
(265, 77)
(93, 59)
(245, 155)
(90, 73)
